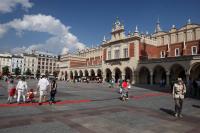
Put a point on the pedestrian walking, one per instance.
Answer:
(11, 91)
(43, 87)
(53, 92)
(120, 85)
(179, 90)
(21, 90)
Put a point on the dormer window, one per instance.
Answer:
(177, 52)
(162, 54)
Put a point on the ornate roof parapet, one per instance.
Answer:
(117, 26)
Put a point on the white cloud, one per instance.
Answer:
(8, 5)
(61, 38)
(65, 51)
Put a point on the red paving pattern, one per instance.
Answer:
(46, 103)
(83, 100)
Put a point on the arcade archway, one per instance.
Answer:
(144, 76)
(118, 74)
(86, 73)
(71, 75)
(75, 74)
(128, 74)
(195, 71)
(99, 73)
(80, 73)
(177, 71)
(108, 75)
(92, 76)
(159, 74)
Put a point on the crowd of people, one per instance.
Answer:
(23, 94)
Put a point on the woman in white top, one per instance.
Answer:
(21, 90)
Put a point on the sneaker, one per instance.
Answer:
(176, 115)
(180, 115)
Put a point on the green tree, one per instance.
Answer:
(38, 74)
(17, 71)
(5, 70)
(28, 72)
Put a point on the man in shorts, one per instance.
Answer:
(43, 87)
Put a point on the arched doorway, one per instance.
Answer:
(195, 72)
(128, 74)
(86, 73)
(118, 74)
(66, 75)
(92, 74)
(71, 75)
(144, 76)
(159, 74)
(80, 73)
(177, 71)
(99, 73)
(108, 75)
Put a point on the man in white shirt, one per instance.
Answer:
(21, 90)
(179, 90)
(43, 87)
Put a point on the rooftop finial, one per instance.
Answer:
(104, 38)
(136, 29)
(189, 21)
(158, 28)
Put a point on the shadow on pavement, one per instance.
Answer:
(168, 111)
(105, 99)
(165, 89)
(196, 106)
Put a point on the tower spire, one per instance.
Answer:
(158, 28)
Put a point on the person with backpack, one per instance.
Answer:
(53, 92)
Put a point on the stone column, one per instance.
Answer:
(151, 77)
(123, 76)
(133, 78)
(167, 79)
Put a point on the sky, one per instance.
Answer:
(60, 26)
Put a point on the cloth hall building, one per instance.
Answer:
(142, 58)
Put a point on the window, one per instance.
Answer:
(177, 52)
(109, 55)
(194, 50)
(125, 52)
(117, 54)
(162, 54)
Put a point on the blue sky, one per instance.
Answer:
(89, 20)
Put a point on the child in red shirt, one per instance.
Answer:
(11, 91)
(125, 89)
(30, 95)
